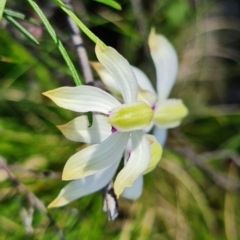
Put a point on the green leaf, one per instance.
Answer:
(2, 6)
(110, 3)
(80, 24)
(19, 15)
(22, 29)
(90, 119)
(57, 41)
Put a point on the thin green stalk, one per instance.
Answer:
(11, 13)
(110, 3)
(22, 29)
(80, 24)
(57, 42)
(2, 6)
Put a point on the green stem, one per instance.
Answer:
(57, 41)
(80, 24)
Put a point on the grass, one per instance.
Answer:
(180, 200)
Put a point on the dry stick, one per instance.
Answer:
(32, 199)
(199, 159)
(110, 203)
(78, 43)
(141, 21)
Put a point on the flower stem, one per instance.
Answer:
(80, 24)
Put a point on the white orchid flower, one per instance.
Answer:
(77, 130)
(168, 113)
(110, 133)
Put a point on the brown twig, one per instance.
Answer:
(78, 43)
(32, 200)
(199, 159)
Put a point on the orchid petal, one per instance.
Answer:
(132, 116)
(142, 79)
(160, 134)
(84, 186)
(169, 113)
(149, 128)
(155, 151)
(120, 70)
(166, 63)
(105, 77)
(146, 96)
(96, 157)
(136, 165)
(135, 191)
(83, 99)
(78, 130)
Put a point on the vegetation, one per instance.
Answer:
(194, 191)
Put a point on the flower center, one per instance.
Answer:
(130, 117)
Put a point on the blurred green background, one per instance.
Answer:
(194, 191)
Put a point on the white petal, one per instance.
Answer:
(135, 191)
(147, 96)
(105, 77)
(84, 186)
(160, 134)
(155, 153)
(78, 130)
(149, 128)
(96, 157)
(120, 70)
(169, 113)
(83, 99)
(166, 63)
(137, 163)
(143, 80)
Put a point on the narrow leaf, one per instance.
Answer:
(2, 6)
(110, 3)
(24, 31)
(57, 42)
(80, 24)
(19, 15)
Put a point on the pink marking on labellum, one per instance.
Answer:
(113, 129)
(154, 107)
(127, 155)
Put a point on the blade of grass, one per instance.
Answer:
(2, 6)
(19, 15)
(110, 3)
(80, 24)
(27, 34)
(193, 188)
(57, 41)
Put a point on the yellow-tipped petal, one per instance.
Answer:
(143, 80)
(169, 114)
(83, 99)
(120, 70)
(84, 186)
(78, 130)
(95, 158)
(155, 151)
(136, 165)
(129, 117)
(135, 191)
(106, 78)
(146, 96)
(166, 63)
